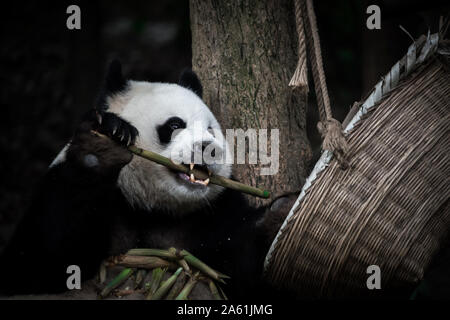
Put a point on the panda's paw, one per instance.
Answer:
(118, 129)
(275, 214)
(97, 153)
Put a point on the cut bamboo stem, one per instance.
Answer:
(157, 276)
(117, 281)
(177, 287)
(184, 294)
(214, 291)
(145, 262)
(165, 286)
(203, 267)
(214, 179)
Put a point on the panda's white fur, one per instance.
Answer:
(148, 185)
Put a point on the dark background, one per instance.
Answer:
(50, 75)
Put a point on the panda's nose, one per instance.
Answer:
(200, 147)
(204, 145)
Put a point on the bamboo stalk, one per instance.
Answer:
(203, 267)
(157, 275)
(177, 287)
(183, 263)
(117, 281)
(165, 286)
(222, 293)
(168, 254)
(214, 179)
(184, 294)
(140, 276)
(214, 290)
(102, 273)
(145, 262)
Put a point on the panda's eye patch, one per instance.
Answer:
(165, 130)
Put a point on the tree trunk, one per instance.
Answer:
(245, 53)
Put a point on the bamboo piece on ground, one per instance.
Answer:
(177, 287)
(200, 265)
(117, 281)
(140, 276)
(169, 254)
(184, 294)
(102, 273)
(157, 275)
(145, 262)
(214, 290)
(165, 286)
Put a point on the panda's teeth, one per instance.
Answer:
(191, 165)
(202, 182)
(192, 177)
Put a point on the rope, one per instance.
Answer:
(329, 128)
(300, 77)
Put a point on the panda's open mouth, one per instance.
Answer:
(191, 179)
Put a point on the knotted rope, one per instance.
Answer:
(329, 128)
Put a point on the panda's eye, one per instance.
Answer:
(166, 130)
(177, 124)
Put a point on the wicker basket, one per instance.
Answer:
(390, 208)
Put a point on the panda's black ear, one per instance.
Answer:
(189, 80)
(114, 81)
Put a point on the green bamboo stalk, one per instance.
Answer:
(183, 263)
(165, 286)
(184, 294)
(203, 267)
(214, 179)
(168, 254)
(117, 281)
(157, 275)
(177, 287)
(214, 291)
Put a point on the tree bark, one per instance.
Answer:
(245, 53)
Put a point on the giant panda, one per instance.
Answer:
(98, 200)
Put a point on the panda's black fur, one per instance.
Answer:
(79, 216)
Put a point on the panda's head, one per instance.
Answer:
(172, 120)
